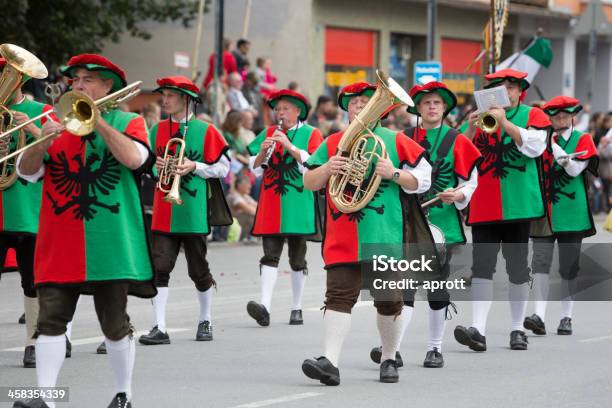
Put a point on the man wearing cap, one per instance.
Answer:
(188, 223)
(569, 217)
(91, 237)
(382, 222)
(508, 197)
(286, 212)
(19, 210)
(454, 161)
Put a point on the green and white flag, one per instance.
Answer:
(537, 54)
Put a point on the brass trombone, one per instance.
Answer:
(169, 181)
(78, 113)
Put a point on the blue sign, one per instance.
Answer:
(427, 71)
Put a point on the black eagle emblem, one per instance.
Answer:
(441, 177)
(357, 216)
(557, 179)
(282, 174)
(97, 175)
(497, 155)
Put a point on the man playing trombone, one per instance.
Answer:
(92, 237)
(181, 215)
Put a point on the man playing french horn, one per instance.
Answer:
(191, 154)
(383, 220)
(92, 237)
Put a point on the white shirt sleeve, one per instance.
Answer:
(218, 170)
(144, 152)
(574, 167)
(303, 156)
(257, 171)
(30, 178)
(534, 142)
(422, 172)
(468, 189)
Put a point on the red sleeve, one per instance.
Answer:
(137, 130)
(211, 70)
(538, 119)
(586, 144)
(52, 116)
(408, 151)
(214, 145)
(466, 156)
(315, 140)
(229, 62)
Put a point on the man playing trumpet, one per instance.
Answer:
(184, 222)
(92, 237)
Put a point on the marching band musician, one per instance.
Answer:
(187, 223)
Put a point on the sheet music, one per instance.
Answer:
(486, 98)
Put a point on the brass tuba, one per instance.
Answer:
(169, 181)
(487, 122)
(20, 64)
(78, 113)
(354, 187)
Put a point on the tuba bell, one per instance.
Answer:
(169, 181)
(20, 64)
(355, 186)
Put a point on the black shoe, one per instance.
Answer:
(471, 337)
(433, 359)
(68, 348)
(376, 355)
(321, 369)
(205, 331)
(535, 324)
(29, 357)
(388, 372)
(35, 403)
(518, 340)
(21, 319)
(101, 348)
(258, 312)
(296, 317)
(565, 326)
(154, 337)
(120, 401)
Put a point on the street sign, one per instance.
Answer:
(427, 71)
(181, 60)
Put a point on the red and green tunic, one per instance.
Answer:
(509, 187)
(285, 207)
(381, 222)
(20, 203)
(204, 144)
(92, 226)
(567, 202)
(460, 160)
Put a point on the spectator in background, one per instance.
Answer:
(242, 205)
(240, 54)
(294, 86)
(235, 97)
(151, 113)
(265, 78)
(229, 64)
(250, 90)
(231, 129)
(324, 105)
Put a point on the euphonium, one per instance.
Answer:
(78, 113)
(20, 63)
(354, 187)
(487, 122)
(169, 181)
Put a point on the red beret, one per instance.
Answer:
(179, 83)
(296, 98)
(507, 74)
(562, 103)
(418, 91)
(352, 90)
(95, 62)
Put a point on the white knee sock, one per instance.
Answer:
(31, 316)
(568, 292)
(205, 299)
(268, 280)
(337, 326)
(50, 355)
(540, 296)
(121, 354)
(297, 288)
(407, 317)
(482, 296)
(159, 304)
(518, 296)
(437, 324)
(390, 330)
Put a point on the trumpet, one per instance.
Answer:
(487, 122)
(169, 181)
(266, 161)
(78, 113)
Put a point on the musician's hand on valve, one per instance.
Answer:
(449, 196)
(498, 113)
(187, 167)
(472, 119)
(50, 128)
(159, 163)
(385, 169)
(265, 145)
(336, 164)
